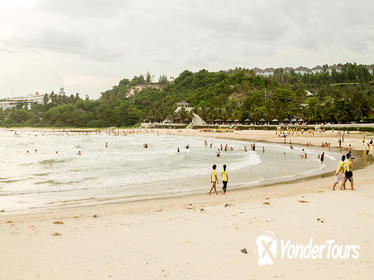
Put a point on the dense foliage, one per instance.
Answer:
(327, 96)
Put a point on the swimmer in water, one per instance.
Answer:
(56, 152)
(79, 153)
(36, 150)
(245, 148)
(263, 149)
(106, 145)
(178, 150)
(218, 153)
(322, 157)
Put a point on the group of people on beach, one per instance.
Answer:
(214, 179)
(344, 172)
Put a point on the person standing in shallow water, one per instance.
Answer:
(213, 179)
(225, 179)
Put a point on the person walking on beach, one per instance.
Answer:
(225, 179)
(350, 149)
(213, 179)
(322, 158)
(340, 177)
(367, 148)
(348, 166)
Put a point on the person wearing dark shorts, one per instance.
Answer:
(225, 179)
(348, 166)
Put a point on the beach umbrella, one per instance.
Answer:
(286, 120)
(275, 120)
(262, 120)
(247, 120)
(236, 120)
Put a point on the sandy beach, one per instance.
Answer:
(199, 236)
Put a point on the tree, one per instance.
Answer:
(45, 99)
(148, 78)
(163, 80)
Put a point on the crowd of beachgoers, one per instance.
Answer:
(343, 174)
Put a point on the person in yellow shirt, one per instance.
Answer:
(348, 166)
(225, 179)
(340, 177)
(213, 179)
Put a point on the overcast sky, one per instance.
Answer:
(87, 46)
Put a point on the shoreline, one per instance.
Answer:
(170, 200)
(195, 237)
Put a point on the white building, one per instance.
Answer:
(302, 70)
(317, 69)
(183, 104)
(12, 102)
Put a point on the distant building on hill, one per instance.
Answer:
(183, 104)
(317, 69)
(301, 70)
(36, 98)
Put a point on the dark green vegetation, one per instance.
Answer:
(338, 97)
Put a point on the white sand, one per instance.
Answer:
(175, 239)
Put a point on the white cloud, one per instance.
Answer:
(88, 45)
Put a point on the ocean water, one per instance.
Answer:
(126, 171)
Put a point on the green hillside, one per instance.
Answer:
(339, 96)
